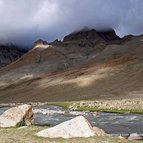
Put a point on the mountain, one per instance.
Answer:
(9, 53)
(86, 65)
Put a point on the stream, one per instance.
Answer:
(111, 123)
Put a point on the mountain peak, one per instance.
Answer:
(39, 43)
(108, 36)
(81, 35)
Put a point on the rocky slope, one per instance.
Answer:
(87, 65)
(9, 53)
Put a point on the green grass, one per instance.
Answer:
(62, 104)
(28, 135)
(110, 110)
(93, 109)
(2, 106)
(138, 111)
(84, 108)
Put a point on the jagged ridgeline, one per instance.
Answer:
(86, 65)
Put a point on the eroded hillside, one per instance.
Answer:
(87, 65)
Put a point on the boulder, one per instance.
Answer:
(135, 136)
(17, 116)
(124, 136)
(77, 127)
(94, 114)
(99, 132)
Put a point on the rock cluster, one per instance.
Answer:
(23, 116)
(51, 112)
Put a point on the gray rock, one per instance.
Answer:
(17, 116)
(77, 127)
(135, 136)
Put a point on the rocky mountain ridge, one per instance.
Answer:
(86, 65)
(10, 53)
(107, 36)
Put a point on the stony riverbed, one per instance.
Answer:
(110, 122)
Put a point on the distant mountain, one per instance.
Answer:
(108, 37)
(86, 65)
(9, 53)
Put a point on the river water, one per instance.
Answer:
(110, 122)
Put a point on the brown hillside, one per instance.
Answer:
(85, 67)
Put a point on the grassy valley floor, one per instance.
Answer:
(27, 135)
(115, 106)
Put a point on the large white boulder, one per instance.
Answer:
(17, 116)
(77, 127)
(135, 136)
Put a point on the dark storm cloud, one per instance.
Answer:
(24, 21)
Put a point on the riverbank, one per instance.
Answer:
(112, 106)
(25, 135)
(113, 124)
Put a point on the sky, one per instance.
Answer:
(24, 21)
